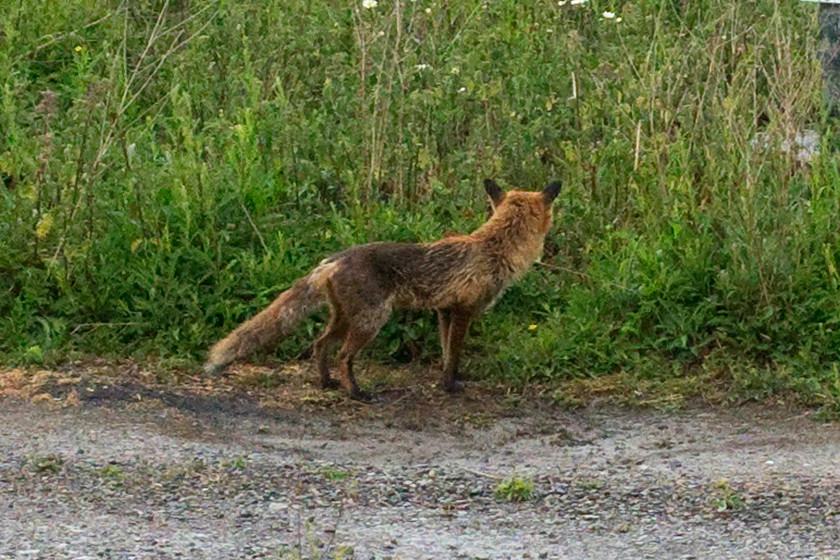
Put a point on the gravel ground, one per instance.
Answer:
(190, 479)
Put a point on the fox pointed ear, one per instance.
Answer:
(550, 192)
(494, 191)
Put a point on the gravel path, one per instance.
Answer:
(108, 479)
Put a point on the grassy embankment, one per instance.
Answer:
(194, 157)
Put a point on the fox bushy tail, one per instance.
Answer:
(272, 323)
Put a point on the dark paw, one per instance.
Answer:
(361, 396)
(214, 370)
(306, 353)
(329, 383)
(454, 387)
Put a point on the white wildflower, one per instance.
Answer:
(422, 67)
(573, 2)
(368, 4)
(609, 15)
(462, 90)
(428, 10)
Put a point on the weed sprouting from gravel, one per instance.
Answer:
(332, 473)
(45, 464)
(726, 498)
(515, 488)
(114, 474)
(239, 463)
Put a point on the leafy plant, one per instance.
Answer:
(46, 464)
(114, 474)
(726, 497)
(515, 488)
(332, 473)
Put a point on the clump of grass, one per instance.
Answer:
(46, 464)
(334, 474)
(113, 473)
(239, 463)
(515, 488)
(726, 498)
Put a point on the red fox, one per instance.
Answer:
(459, 276)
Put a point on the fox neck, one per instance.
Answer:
(512, 241)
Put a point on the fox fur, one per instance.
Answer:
(458, 276)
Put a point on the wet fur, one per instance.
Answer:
(458, 276)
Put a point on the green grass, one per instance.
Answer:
(46, 464)
(726, 497)
(515, 489)
(334, 474)
(113, 474)
(195, 157)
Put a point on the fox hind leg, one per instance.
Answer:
(459, 322)
(444, 321)
(364, 328)
(335, 331)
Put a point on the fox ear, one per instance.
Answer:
(494, 191)
(550, 192)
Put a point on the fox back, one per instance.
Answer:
(466, 270)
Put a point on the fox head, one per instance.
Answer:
(532, 209)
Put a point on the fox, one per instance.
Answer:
(459, 277)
